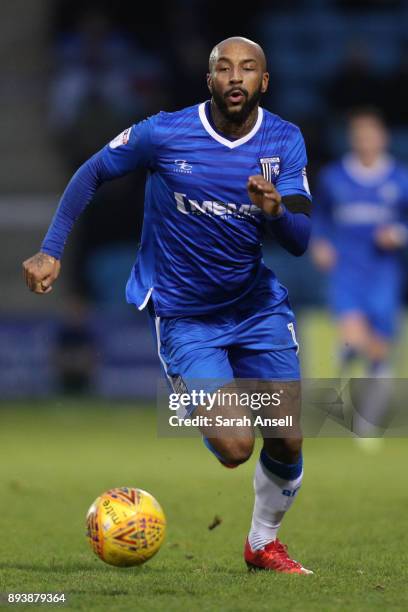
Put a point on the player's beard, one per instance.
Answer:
(248, 106)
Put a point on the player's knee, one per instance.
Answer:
(237, 451)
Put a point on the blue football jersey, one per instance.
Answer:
(352, 202)
(201, 239)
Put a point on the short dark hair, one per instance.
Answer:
(359, 112)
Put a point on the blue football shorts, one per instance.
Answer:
(254, 338)
(378, 300)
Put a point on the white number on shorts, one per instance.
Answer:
(291, 328)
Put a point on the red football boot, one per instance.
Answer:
(274, 557)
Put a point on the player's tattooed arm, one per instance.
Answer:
(265, 195)
(40, 271)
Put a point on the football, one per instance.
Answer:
(125, 526)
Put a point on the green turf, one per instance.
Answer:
(349, 523)
(319, 347)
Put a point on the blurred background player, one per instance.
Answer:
(359, 232)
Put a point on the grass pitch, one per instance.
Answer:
(349, 523)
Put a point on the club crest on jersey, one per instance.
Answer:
(121, 139)
(270, 167)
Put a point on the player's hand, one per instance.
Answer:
(391, 237)
(264, 195)
(323, 255)
(40, 271)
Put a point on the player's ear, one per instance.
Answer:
(265, 82)
(209, 81)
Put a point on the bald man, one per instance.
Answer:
(221, 174)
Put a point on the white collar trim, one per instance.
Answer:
(228, 143)
(368, 175)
